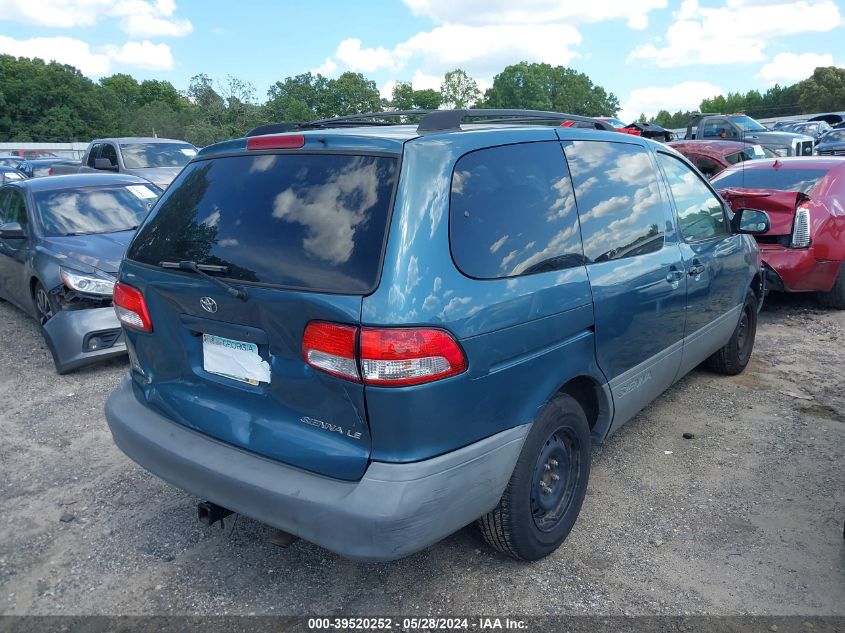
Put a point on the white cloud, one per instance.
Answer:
(787, 68)
(422, 81)
(64, 50)
(366, 60)
(686, 95)
(386, 91)
(326, 69)
(67, 50)
(151, 26)
(737, 31)
(138, 18)
(143, 55)
(534, 11)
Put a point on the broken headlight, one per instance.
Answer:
(88, 284)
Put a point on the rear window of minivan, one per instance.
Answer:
(301, 221)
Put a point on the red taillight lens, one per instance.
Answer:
(50, 171)
(131, 308)
(407, 356)
(386, 356)
(331, 348)
(276, 141)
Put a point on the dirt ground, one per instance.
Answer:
(745, 518)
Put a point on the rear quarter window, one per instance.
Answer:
(619, 199)
(301, 221)
(512, 212)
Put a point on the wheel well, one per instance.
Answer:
(757, 285)
(586, 392)
(32, 283)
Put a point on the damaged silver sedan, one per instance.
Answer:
(62, 239)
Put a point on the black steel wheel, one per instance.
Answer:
(544, 495)
(734, 356)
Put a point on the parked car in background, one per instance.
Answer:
(39, 167)
(61, 242)
(804, 249)
(618, 125)
(713, 156)
(739, 127)
(832, 143)
(816, 129)
(652, 131)
(371, 336)
(19, 163)
(834, 119)
(34, 153)
(780, 125)
(158, 160)
(10, 174)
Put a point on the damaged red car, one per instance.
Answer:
(804, 249)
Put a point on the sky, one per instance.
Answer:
(652, 54)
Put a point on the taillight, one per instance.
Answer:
(383, 356)
(131, 308)
(408, 356)
(276, 141)
(801, 227)
(331, 348)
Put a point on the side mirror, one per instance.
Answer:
(751, 221)
(12, 231)
(104, 163)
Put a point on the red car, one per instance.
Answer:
(618, 125)
(713, 156)
(804, 196)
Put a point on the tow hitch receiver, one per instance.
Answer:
(210, 513)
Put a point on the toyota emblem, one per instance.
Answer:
(208, 304)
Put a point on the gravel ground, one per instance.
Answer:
(745, 518)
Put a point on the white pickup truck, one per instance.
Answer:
(159, 160)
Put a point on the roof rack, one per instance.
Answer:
(433, 121)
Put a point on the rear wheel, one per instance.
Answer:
(544, 495)
(734, 356)
(46, 306)
(835, 297)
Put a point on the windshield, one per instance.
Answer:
(305, 221)
(146, 155)
(746, 123)
(86, 210)
(835, 136)
(783, 179)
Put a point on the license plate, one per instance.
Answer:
(237, 360)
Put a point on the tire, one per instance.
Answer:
(734, 356)
(536, 511)
(835, 297)
(46, 306)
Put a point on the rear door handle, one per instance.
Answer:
(695, 269)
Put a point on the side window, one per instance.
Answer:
(93, 154)
(707, 166)
(700, 213)
(16, 209)
(108, 151)
(619, 199)
(512, 212)
(712, 128)
(4, 203)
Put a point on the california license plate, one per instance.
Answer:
(237, 360)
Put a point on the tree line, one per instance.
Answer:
(41, 101)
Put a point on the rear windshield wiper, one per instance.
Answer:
(200, 269)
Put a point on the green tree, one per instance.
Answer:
(546, 87)
(459, 90)
(823, 91)
(351, 93)
(404, 97)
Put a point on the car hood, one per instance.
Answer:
(780, 205)
(161, 176)
(784, 139)
(103, 251)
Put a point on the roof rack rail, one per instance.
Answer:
(450, 120)
(433, 121)
(338, 121)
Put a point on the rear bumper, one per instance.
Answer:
(798, 270)
(70, 332)
(393, 511)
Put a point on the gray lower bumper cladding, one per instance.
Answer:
(80, 337)
(393, 511)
